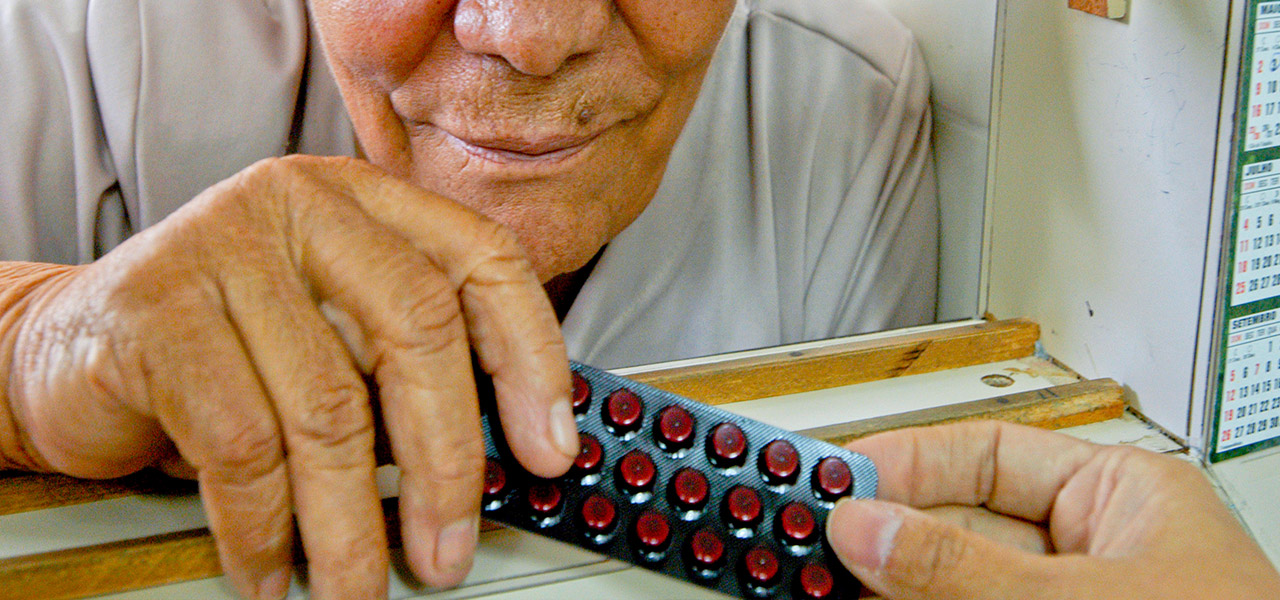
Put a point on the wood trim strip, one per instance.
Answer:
(21, 492)
(107, 568)
(1055, 407)
(140, 563)
(848, 364)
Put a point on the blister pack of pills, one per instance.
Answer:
(688, 490)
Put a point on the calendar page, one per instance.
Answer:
(1246, 415)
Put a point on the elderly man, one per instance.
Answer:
(676, 177)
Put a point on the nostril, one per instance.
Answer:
(535, 37)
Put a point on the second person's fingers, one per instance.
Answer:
(1011, 469)
(905, 554)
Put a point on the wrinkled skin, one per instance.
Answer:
(506, 140)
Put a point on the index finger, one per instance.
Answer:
(509, 319)
(1012, 469)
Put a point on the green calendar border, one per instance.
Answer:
(1226, 313)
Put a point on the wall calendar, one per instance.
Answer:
(1246, 410)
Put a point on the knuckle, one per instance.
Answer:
(334, 418)
(462, 471)
(430, 319)
(432, 307)
(501, 254)
(243, 449)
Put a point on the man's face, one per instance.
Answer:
(553, 117)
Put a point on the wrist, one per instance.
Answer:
(20, 284)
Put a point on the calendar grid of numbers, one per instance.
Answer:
(1246, 412)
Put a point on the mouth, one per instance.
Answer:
(544, 150)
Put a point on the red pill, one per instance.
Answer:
(636, 472)
(590, 455)
(675, 429)
(796, 524)
(727, 446)
(779, 462)
(652, 531)
(599, 514)
(544, 499)
(742, 507)
(760, 566)
(495, 479)
(815, 581)
(581, 394)
(689, 489)
(706, 550)
(623, 411)
(832, 479)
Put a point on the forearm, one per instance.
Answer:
(19, 286)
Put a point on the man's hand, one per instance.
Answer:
(1116, 522)
(234, 337)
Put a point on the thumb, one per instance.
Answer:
(904, 554)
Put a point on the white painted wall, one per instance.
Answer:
(1102, 184)
(957, 38)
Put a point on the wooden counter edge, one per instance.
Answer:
(849, 363)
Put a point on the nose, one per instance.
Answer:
(534, 36)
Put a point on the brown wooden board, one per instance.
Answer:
(849, 363)
(1051, 408)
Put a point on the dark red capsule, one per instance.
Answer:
(689, 489)
(653, 531)
(590, 455)
(742, 507)
(544, 499)
(727, 446)
(760, 565)
(495, 479)
(779, 462)
(796, 524)
(581, 394)
(705, 551)
(815, 581)
(675, 429)
(599, 514)
(636, 472)
(832, 479)
(623, 411)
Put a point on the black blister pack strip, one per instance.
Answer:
(688, 490)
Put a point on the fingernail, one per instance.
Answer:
(564, 430)
(456, 545)
(862, 532)
(276, 585)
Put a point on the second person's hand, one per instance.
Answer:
(992, 510)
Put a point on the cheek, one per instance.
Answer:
(678, 33)
(380, 40)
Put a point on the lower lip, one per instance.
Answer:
(508, 156)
